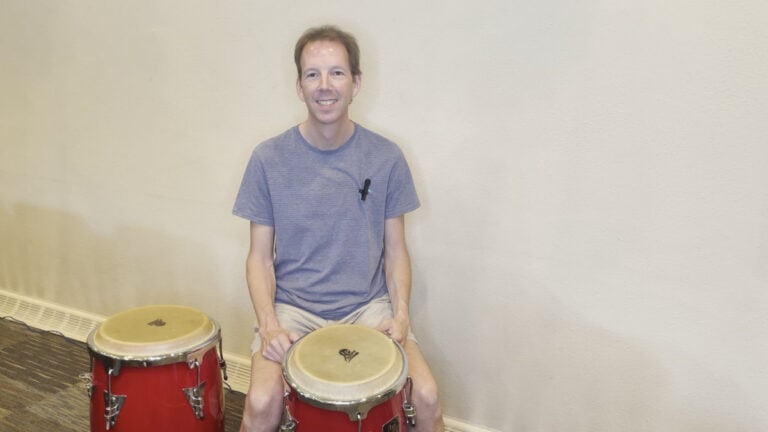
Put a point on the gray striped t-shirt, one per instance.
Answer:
(329, 242)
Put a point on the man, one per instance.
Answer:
(326, 201)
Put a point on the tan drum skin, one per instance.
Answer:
(346, 367)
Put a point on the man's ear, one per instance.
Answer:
(298, 89)
(357, 83)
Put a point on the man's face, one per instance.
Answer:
(326, 84)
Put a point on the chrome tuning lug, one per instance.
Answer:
(195, 394)
(408, 408)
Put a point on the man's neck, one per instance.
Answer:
(327, 137)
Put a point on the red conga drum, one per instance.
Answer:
(157, 369)
(346, 378)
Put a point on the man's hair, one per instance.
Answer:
(332, 34)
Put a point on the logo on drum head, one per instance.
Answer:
(348, 354)
(157, 323)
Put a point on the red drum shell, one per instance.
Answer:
(155, 400)
(153, 380)
(385, 417)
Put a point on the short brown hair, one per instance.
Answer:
(332, 34)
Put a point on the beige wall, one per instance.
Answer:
(591, 252)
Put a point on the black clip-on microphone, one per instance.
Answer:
(366, 188)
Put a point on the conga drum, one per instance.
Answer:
(156, 368)
(346, 378)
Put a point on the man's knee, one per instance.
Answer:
(427, 397)
(261, 401)
(264, 400)
(262, 410)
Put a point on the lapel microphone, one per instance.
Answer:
(366, 188)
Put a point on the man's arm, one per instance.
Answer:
(397, 270)
(260, 275)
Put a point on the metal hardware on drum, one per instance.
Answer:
(288, 423)
(408, 408)
(112, 403)
(87, 383)
(195, 394)
(290, 426)
(222, 362)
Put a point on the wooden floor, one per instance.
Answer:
(40, 388)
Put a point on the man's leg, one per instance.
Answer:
(426, 400)
(264, 402)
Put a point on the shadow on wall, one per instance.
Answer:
(55, 256)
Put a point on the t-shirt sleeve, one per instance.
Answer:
(253, 200)
(401, 194)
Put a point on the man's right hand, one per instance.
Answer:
(275, 343)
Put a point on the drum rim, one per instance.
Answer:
(159, 359)
(351, 407)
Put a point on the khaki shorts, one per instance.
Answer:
(302, 322)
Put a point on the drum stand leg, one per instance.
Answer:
(408, 409)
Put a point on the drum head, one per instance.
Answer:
(153, 331)
(345, 363)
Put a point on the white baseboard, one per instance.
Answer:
(76, 324)
(456, 425)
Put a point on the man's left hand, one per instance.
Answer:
(395, 328)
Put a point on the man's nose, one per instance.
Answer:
(325, 80)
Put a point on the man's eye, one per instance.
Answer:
(310, 75)
(338, 73)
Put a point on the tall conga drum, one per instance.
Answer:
(346, 378)
(157, 369)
